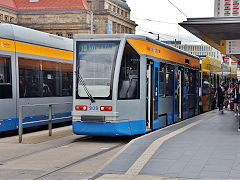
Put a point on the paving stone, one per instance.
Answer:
(167, 155)
(220, 167)
(157, 166)
(189, 174)
(177, 167)
(234, 174)
(196, 168)
(220, 162)
(213, 174)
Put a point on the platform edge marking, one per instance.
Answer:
(150, 151)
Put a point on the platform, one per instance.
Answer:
(203, 147)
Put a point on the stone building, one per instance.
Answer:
(65, 18)
(8, 11)
(111, 17)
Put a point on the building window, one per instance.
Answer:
(126, 30)
(69, 35)
(6, 18)
(122, 29)
(11, 19)
(59, 34)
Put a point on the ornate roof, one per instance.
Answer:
(122, 3)
(45, 5)
(10, 4)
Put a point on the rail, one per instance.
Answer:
(50, 115)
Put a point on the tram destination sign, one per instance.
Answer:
(230, 47)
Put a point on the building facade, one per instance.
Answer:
(200, 50)
(65, 18)
(226, 8)
(111, 17)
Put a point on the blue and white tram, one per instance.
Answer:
(35, 68)
(129, 84)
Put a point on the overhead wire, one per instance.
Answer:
(177, 8)
(172, 36)
(152, 20)
(158, 21)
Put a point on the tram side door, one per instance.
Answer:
(155, 92)
(152, 94)
(179, 91)
(176, 94)
(149, 94)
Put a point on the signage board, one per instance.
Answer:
(230, 47)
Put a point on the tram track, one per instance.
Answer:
(44, 149)
(79, 161)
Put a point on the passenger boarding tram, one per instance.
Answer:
(35, 68)
(129, 84)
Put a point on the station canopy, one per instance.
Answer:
(214, 30)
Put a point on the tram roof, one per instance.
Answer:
(130, 36)
(27, 35)
(214, 29)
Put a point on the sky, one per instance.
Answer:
(169, 17)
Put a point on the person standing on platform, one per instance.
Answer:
(235, 96)
(231, 96)
(220, 93)
(238, 98)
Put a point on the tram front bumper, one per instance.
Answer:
(109, 128)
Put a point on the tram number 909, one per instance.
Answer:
(93, 108)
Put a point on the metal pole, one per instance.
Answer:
(20, 128)
(91, 13)
(222, 72)
(50, 120)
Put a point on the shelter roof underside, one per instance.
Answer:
(213, 30)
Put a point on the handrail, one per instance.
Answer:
(50, 114)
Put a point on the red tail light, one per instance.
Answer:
(81, 108)
(106, 108)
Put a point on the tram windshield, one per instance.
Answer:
(95, 61)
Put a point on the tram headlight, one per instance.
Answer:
(106, 108)
(81, 108)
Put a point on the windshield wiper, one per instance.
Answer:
(82, 82)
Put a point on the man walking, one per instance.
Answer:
(221, 94)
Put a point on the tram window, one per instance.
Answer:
(51, 78)
(29, 78)
(67, 79)
(186, 81)
(129, 79)
(192, 82)
(5, 78)
(161, 79)
(205, 84)
(39, 78)
(169, 80)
